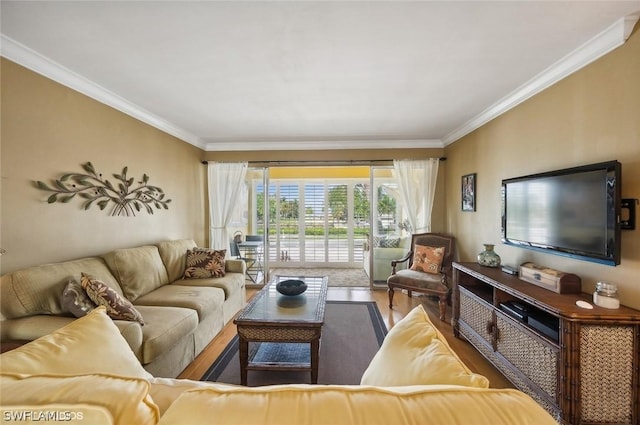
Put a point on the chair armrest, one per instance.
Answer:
(394, 263)
(447, 272)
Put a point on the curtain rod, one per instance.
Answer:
(350, 162)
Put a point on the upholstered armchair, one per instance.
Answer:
(429, 268)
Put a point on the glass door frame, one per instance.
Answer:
(377, 227)
(253, 225)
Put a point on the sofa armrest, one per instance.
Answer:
(235, 266)
(132, 333)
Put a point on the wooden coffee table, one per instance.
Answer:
(274, 318)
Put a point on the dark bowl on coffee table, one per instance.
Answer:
(291, 287)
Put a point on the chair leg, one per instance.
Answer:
(249, 270)
(390, 292)
(442, 303)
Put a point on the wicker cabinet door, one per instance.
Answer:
(608, 358)
(477, 315)
(536, 359)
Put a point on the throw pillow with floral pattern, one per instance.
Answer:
(204, 263)
(117, 306)
(427, 259)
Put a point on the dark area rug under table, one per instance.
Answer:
(351, 335)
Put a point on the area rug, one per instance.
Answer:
(351, 335)
(337, 276)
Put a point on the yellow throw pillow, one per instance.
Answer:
(414, 352)
(427, 259)
(126, 399)
(90, 344)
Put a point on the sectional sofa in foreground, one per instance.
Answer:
(86, 371)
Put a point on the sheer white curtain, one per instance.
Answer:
(226, 180)
(417, 184)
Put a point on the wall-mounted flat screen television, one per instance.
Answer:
(573, 212)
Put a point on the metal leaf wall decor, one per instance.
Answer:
(91, 187)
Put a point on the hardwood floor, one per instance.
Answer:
(402, 305)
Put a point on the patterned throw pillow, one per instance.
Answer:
(427, 259)
(117, 307)
(390, 243)
(75, 300)
(204, 263)
(385, 242)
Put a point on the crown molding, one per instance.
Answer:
(300, 145)
(40, 64)
(601, 44)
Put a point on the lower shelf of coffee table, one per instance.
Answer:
(279, 355)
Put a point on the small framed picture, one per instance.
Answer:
(469, 192)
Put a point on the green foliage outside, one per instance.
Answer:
(318, 231)
(338, 211)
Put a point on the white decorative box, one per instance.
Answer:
(551, 279)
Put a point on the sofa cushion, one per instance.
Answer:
(203, 300)
(139, 270)
(37, 290)
(90, 344)
(427, 259)
(204, 263)
(75, 300)
(164, 327)
(117, 307)
(414, 352)
(230, 283)
(33, 327)
(165, 391)
(353, 405)
(173, 256)
(126, 399)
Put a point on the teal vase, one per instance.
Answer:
(488, 257)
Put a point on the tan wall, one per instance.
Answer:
(589, 117)
(47, 130)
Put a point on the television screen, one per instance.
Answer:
(571, 212)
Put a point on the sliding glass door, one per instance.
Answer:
(337, 217)
(250, 226)
(315, 216)
(316, 222)
(390, 232)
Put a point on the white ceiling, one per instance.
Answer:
(266, 75)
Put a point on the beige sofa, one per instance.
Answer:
(86, 371)
(181, 316)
